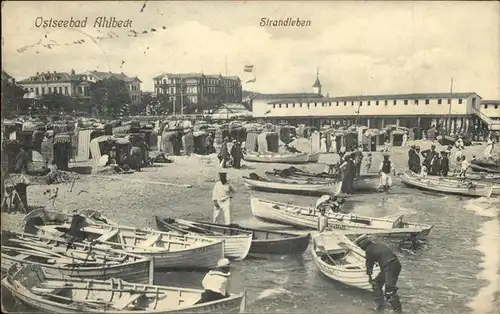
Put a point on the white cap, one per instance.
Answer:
(224, 262)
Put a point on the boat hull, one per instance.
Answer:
(236, 246)
(285, 246)
(443, 186)
(353, 273)
(202, 255)
(482, 168)
(280, 187)
(299, 217)
(313, 158)
(137, 272)
(359, 184)
(84, 300)
(300, 158)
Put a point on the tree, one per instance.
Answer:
(57, 104)
(12, 99)
(109, 96)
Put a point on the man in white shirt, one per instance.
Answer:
(322, 220)
(329, 202)
(221, 196)
(216, 282)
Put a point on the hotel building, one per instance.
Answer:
(459, 112)
(196, 92)
(76, 85)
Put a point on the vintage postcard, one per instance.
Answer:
(250, 157)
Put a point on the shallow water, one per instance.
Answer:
(443, 276)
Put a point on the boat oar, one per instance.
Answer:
(324, 251)
(47, 286)
(347, 247)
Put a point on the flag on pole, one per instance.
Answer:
(251, 81)
(248, 68)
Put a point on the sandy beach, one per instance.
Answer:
(183, 189)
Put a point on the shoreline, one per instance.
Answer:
(487, 299)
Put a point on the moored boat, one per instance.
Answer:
(289, 158)
(169, 250)
(341, 260)
(258, 183)
(467, 188)
(32, 286)
(237, 243)
(78, 260)
(481, 167)
(305, 218)
(363, 183)
(263, 241)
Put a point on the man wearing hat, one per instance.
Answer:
(221, 196)
(329, 202)
(429, 155)
(444, 166)
(385, 170)
(216, 282)
(411, 158)
(390, 267)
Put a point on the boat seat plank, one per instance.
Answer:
(150, 241)
(107, 236)
(125, 301)
(40, 290)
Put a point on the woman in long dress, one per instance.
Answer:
(489, 147)
(323, 145)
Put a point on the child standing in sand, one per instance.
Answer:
(465, 166)
(369, 162)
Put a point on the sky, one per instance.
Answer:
(360, 48)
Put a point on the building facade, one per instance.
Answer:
(461, 112)
(491, 109)
(196, 92)
(76, 85)
(133, 83)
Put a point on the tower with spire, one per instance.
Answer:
(317, 84)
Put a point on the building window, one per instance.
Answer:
(360, 103)
(274, 106)
(60, 89)
(279, 106)
(36, 91)
(337, 103)
(459, 101)
(449, 101)
(322, 104)
(352, 103)
(293, 105)
(427, 101)
(300, 105)
(405, 102)
(416, 101)
(329, 104)
(485, 106)
(386, 102)
(368, 103)
(496, 106)
(395, 102)
(66, 90)
(286, 106)
(440, 101)
(49, 90)
(376, 103)
(474, 101)
(345, 103)
(315, 104)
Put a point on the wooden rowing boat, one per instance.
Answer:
(258, 183)
(469, 180)
(446, 186)
(483, 168)
(45, 293)
(45, 216)
(341, 260)
(306, 218)
(290, 158)
(313, 158)
(169, 250)
(363, 183)
(236, 243)
(263, 241)
(482, 176)
(78, 260)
